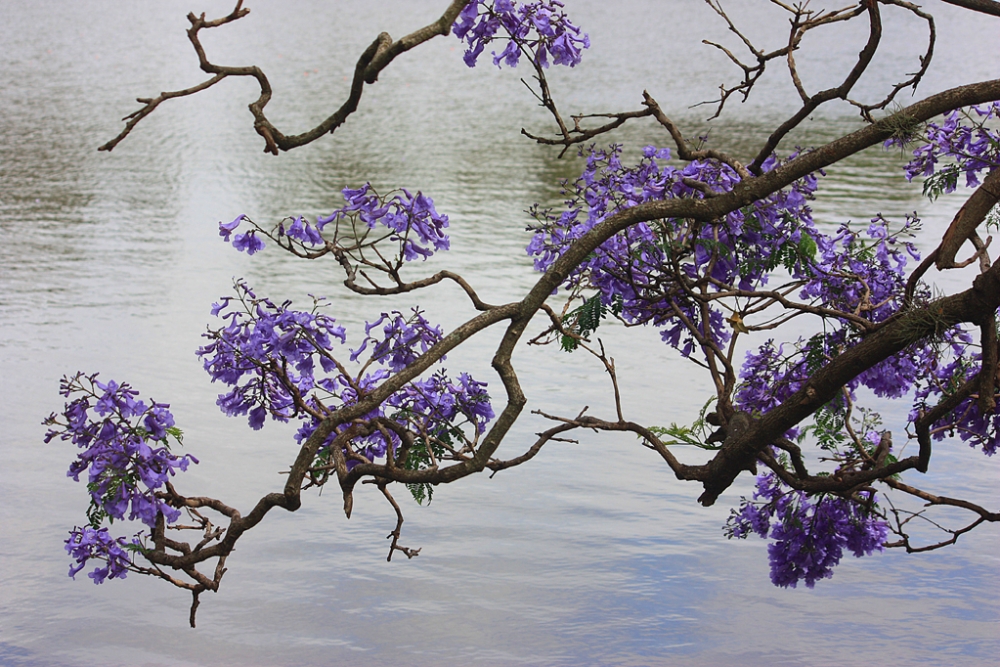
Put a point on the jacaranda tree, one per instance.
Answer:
(720, 255)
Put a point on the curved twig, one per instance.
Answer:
(373, 60)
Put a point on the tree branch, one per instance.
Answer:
(379, 54)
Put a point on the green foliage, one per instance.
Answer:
(827, 427)
(694, 435)
(585, 319)
(993, 218)
(419, 458)
(818, 352)
(945, 180)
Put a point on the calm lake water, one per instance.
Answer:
(592, 554)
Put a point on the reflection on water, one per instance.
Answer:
(592, 554)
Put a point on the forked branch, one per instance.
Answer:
(382, 51)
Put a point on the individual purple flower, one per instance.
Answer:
(248, 242)
(227, 228)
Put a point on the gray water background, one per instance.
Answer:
(592, 554)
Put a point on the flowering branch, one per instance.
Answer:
(689, 247)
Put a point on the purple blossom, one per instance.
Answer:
(809, 533)
(540, 29)
(412, 220)
(125, 448)
(248, 242)
(638, 268)
(282, 362)
(402, 339)
(260, 338)
(227, 228)
(964, 140)
(87, 543)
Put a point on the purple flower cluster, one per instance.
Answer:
(809, 534)
(268, 354)
(125, 445)
(126, 453)
(966, 421)
(412, 220)
(866, 278)
(769, 377)
(401, 339)
(649, 268)
(88, 543)
(850, 276)
(409, 220)
(437, 400)
(970, 145)
(537, 29)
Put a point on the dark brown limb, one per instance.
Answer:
(987, 378)
(990, 7)
(840, 92)
(968, 218)
(194, 606)
(372, 61)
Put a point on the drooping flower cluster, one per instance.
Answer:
(965, 139)
(126, 454)
(368, 218)
(538, 29)
(281, 362)
(809, 534)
